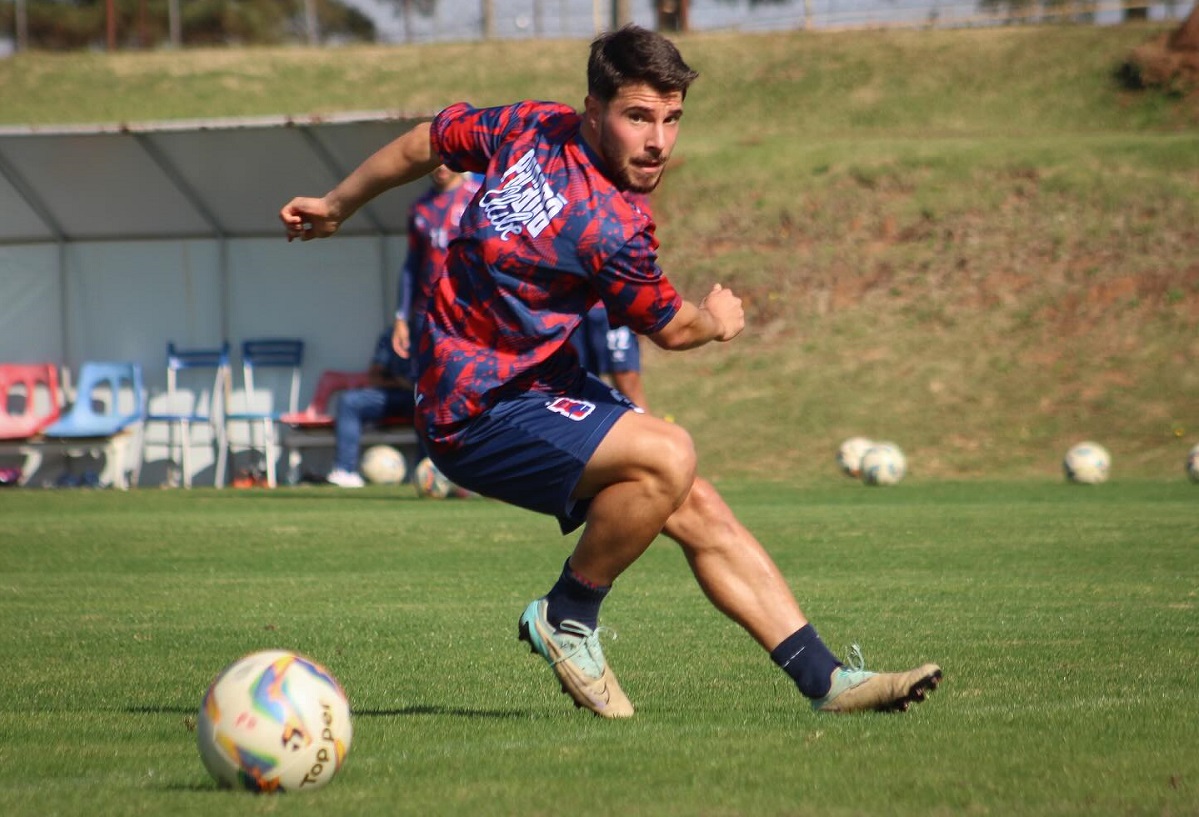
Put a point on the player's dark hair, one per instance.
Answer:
(634, 54)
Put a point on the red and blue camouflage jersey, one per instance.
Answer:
(432, 225)
(547, 235)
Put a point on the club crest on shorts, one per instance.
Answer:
(569, 407)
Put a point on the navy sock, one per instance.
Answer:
(575, 598)
(803, 656)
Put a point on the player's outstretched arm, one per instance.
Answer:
(719, 316)
(405, 159)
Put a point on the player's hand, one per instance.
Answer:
(726, 308)
(399, 338)
(307, 218)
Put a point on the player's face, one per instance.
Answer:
(636, 132)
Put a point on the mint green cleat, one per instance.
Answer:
(574, 652)
(855, 689)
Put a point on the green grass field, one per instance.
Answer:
(1065, 619)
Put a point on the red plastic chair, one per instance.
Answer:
(330, 383)
(29, 399)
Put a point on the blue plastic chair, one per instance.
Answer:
(110, 407)
(285, 355)
(202, 405)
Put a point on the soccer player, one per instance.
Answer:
(504, 407)
(432, 225)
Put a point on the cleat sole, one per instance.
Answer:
(917, 693)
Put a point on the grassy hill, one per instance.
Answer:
(974, 242)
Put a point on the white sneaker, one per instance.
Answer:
(344, 479)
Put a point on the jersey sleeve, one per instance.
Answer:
(634, 289)
(467, 137)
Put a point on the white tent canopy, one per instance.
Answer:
(117, 239)
(183, 179)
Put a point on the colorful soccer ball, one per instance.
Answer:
(1087, 463)
(383, 465)
(849, 455)
(883, 464)
(1193, 464)
(430, 482)
(274, 721)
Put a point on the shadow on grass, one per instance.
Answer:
(453, 711)
(209, 787)
(336, 494)
(398, 712)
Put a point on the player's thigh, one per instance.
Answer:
(639, 446)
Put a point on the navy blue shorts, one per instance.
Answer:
(530, 450)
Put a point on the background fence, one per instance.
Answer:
(162, 22)
(442, 20)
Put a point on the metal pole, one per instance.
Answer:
(488, 19)
(312, 23)
(22, 25)
(110, 15)
(620, 13)
(175, 23)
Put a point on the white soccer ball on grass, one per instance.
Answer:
(849, 455)
(274, 721)
(383, 465)
(883, 464)
(1193, 464)
(1087, 463)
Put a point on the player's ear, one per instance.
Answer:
(593, 111)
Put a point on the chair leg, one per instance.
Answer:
(33, 461)
(170, 450)
(144, 443)
(139, 439)
(185, 458)
(222, 454)
(228, 455)
(252, 437)
(115, 455)
(268, 435)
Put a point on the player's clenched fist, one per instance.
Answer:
(306, 218)
(726, 308)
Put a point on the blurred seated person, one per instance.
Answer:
(388, 396)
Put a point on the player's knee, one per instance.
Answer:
(675, 452)
(704, 521)
(352, 400)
